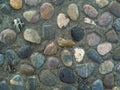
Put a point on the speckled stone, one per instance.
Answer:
(16, 4)
(114, 8)
(32, 36)
(31, 16)
(2, 59)
(26, 69)
(85, 70)
(116, 24)
(57, 2)
(109, 81)
(79, 54)
(48, 78)
(68, 87)
(46, 10)
(50, 49)
(105, 19)
(112, 36)
(66, 75)
(37, 60)
(116, 54)
(93, 39)
(73, 12)
(102, 3)
(104, 48)
(62, 20)
(32, 2)
(8, 36)
(97, 85)
(77, 33)
(52, 62)
(32, 82)
(90, 11)
(116, 88)
(4, 85)
(66, 57)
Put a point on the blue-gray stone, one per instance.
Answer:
(4, 86)
(116, 54)
(37, 60)
(4, 8)
(85, 70)
(1, 59)
(11, 57)
(116, 24)
(97, 85)
(57, 2)
(66, 75)
(32, 81)
(93, 55)
(68, 87)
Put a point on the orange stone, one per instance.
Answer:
(16, 4)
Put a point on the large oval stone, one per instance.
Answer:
(16, 4)
(98, 85)
(102, 3)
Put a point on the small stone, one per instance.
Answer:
(116, 24)
(48, 31)
(68, 87)
(65, 42)
(1, 59)
(4, 8)
(62, 20)
(50, 49)
(37, 60)
(105, 19)
(98, 85)
(25, 51)
(109, 80)
(4, 86)
(16, 4)
(8, 36)
(57, 2)
(46, 10)
(17, 83)
(32, 36)
(32, 2)
(79, 54)
(104, 48)
(89, 21)
(32, 81)
(116, 54)
(85, 70)
(52, 62)
(114, 8)
(93, 39)
(73, 12)
(26, 69)
(116, 88)
(90, 11)
(48, 78)
(77, 33)
(118, 68)
(66, 57)
(106, 67)
(31, 16)
(112, 36)
(66, 75)
(93, 55)
(102, 3)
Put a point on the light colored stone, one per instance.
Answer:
(102, 3)
(16, 4)
(116, 88)
(89, 21)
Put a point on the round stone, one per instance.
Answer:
(52, 62)
(79, 54)
(102, 3)
(16, 4)
(106, 67)
(37, 60)
(48, 78)
(46, 10)
(57, 2)
(31, 16)
(97, 85)
(90, 11)
(66, 75)
(8, 36)
(62, 20)
(77, 33)
(4, 85)
(66, 57)
(68, 87)
(32, 2)
(93, 39)
(1, 59)
(73, 12)
(116, 24)
(104, 48)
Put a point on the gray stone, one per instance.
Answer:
(102, 3)
(4, 8)
(32, 2)
(4, 85)
(32, 81)
(97, 85)
(1, 59)
(68, 87)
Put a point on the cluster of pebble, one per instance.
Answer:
(87, 60)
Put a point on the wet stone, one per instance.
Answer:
(90, 11)
(93, 39)
(93, 55)
(116, 54)
(25, 51)
(85, 70)
(77, 33)
(109, 81)
(4, 86)
(57, 2)
(16, 4)
(102, 3)
(48, 32)
(73, 12)
(4, 8)
(112, 36)
(32, 82)
(32, 2)
(1, 59)
(116, 24)
(97, 85)
(48, 78)
(68, 87)
(52, 62)
(46, 10)
(66, 57)
(26, 69)
(37, 60)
